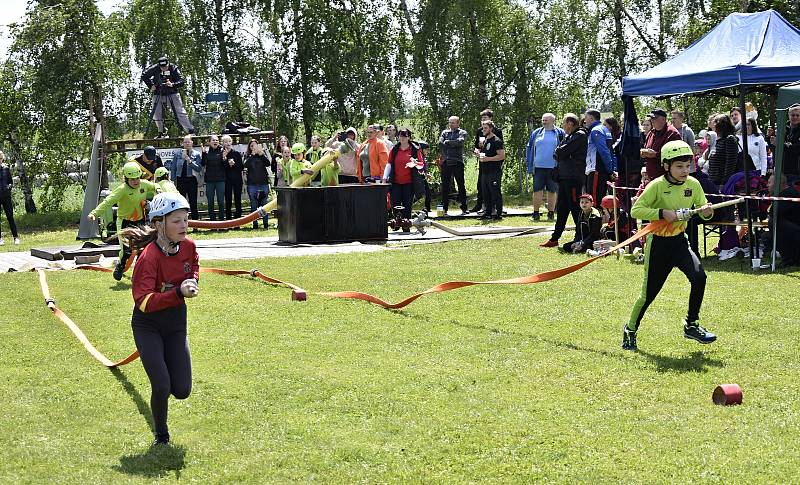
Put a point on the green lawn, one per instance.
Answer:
(508, 384)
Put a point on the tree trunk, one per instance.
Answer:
(24, 181)
(483, 91)
(303, 60)
(421, 61)
(225, 61)
(620, 40)
(519, 131)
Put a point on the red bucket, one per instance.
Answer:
(727, 394)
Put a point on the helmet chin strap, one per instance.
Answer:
(672, 180)
(163, 241)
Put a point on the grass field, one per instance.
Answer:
(502, 384)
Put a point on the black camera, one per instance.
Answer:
(342, 136)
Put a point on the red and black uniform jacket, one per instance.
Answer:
(157, 277)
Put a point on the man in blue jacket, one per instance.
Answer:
(183, 170)
(601, 164)
(540, 154)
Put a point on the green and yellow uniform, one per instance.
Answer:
(131, 205)
(330, 174)
(166, 185)
(661, 194)
(668, 247)
(294, 170)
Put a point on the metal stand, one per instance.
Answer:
(152, 112)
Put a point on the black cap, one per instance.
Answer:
(150, 152)
(163, 61)
(659, 112)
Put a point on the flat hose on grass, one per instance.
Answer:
(421, 221)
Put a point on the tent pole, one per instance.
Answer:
(750, 235)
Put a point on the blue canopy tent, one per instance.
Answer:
(747, 51)
(744, 49)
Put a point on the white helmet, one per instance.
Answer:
(166, 202)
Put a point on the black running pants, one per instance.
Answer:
(164, 349)
(661, 254)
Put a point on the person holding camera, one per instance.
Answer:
(233, 177)
(347, 161)
(163, 79)
(185, 163)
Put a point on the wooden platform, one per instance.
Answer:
(117, 146)
(88, 248)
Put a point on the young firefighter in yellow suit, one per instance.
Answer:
(668, 247)
(131, 200)
(312, 156)
(329, 174)
(298, 165)
(161, 176)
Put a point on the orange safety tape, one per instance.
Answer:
(51, 304)
(524, 280)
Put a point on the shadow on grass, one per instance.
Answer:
(141, 404)
(694, 362)
(156, 462)
(120, 286)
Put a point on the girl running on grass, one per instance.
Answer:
(165, 274)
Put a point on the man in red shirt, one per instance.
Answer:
(661, 133)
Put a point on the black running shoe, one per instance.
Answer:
(119, 270)
(628, 338)
(695, 332)
(161, 440)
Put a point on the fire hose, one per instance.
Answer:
(300, 294)
(421, 221)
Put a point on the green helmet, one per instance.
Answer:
(675, 149)
(298, 148)
(160, 172)
(132, 170)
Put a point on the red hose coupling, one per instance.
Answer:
(727, 394)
